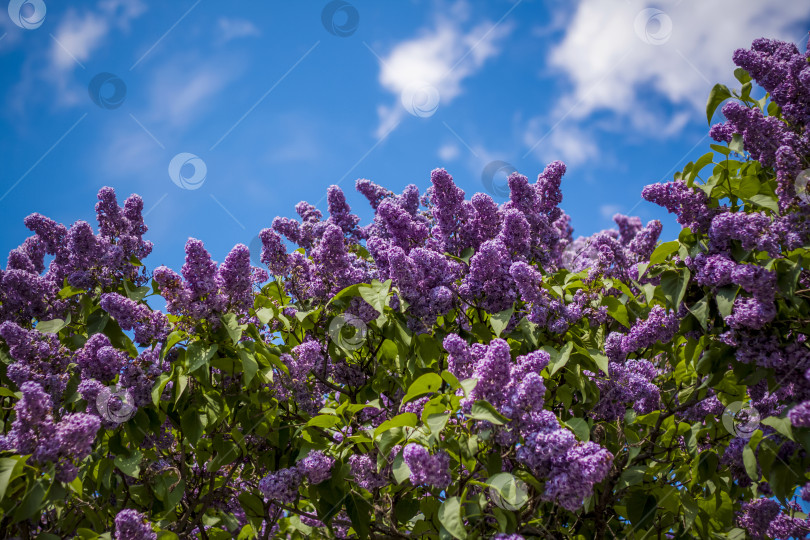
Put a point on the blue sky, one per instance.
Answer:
(279, 100)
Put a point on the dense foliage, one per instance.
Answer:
(456, 368)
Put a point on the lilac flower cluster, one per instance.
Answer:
(659, 326)
(205, 292)
(316, 467)
(85, 259)
(34, 431)
(629, 384)
(38, 358)
(571, 468)
(763, 518)
(132, 525)
(283, 484)
(426, 469)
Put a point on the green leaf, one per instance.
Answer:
(781, 425)
(701, 311)
(482, 410)
(718, 95)
(617, 310)
(232, 326)
(360, 512)
(376, 294)
(661, 252)
(197, 355)
(765, 201)
(580, 428)
(450, 517)
(31, 502)
(749, 187)
(130, 465)
(400, 469)
(9, 469)
(324, 421)
(750, 463)
(499, 321)
(408, 419)
(674, 284)
(265, 315)
(559, 360)
(436, 422)
(51, 327)
(425, 384)
(600, 359)
(249, 365)
(641, 509)
(741, 75)
(702, 161)
(725, 299)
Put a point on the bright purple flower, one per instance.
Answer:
(132, 525)
(316, 467)
(427, 469)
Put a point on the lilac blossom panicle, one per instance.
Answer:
(427, 469)
(316, 467)
(132, 525)
(281, 485)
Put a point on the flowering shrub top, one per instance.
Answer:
(455, 368)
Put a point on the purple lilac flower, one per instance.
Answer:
(427, 469)
(689, 205)
(281, 485)
(234, 279)
(800, 415)
(132, 525)
(316, 467)
(364, 472)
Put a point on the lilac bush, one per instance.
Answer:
(453, 368)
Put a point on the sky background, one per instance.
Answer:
(278, 100)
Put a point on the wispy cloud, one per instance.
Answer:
(647, 67)
(440, 57)
(230, 29)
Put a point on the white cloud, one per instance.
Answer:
(442, 57)
(607, 211)
(230, 29)
(647, 68)
(77, 37)
(180, 90)
(610, 65)
(566, 141)
(449, 152)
